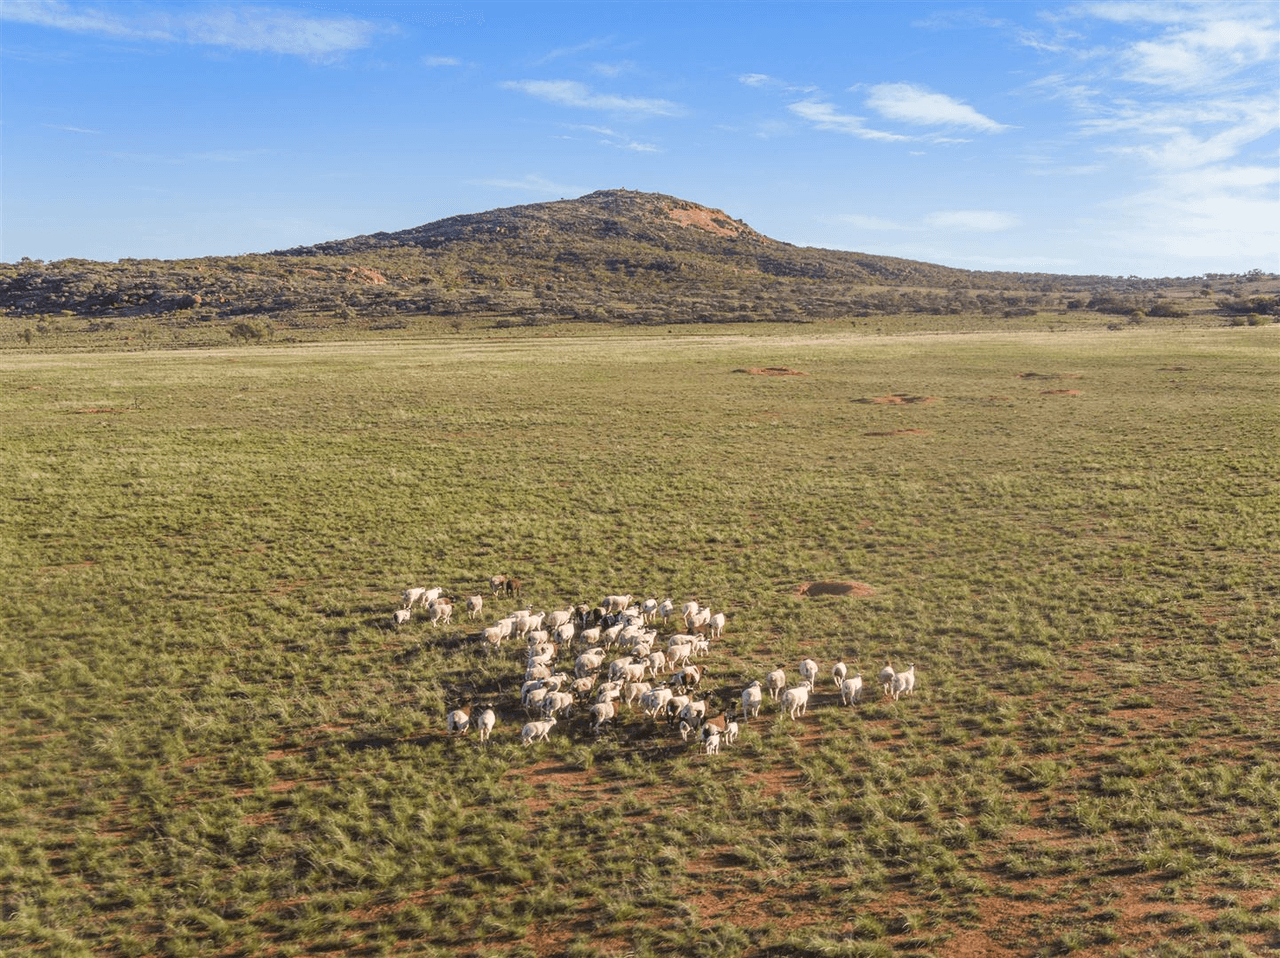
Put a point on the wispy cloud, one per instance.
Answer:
(430, 61)
(579, 95)
(824, 116)
(762, 81)
(613, 69)
(586, 46)
(909, 103)
(532, 183)
(972, 221)
(71, 129)
(249, 28)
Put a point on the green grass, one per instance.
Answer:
(215, 743)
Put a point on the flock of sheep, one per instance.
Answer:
(656, 675)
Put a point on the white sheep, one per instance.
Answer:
(459, 720)
(533, 731)
(498, 584)
(809, 672)
(656, 700)
(400, 617)
(717, 625)
(635, 691)
(752, 698)
(839, 672)
(564, 633)
(411, 596)
(795, 701)
(588, 662)
(731, 733)
(656, 662)
(678, 655)
(711, 743)
(666, 609)
(601, 712)
(534, 698)
(699, 621)
(648, 609)
(475, 605)
(614, 604)
(694, 713)
(440, 610)
(904, 683)
(557, 703)
(583, 686)
(886, 677)
(558, 618)
(775, 682)
(851, 690)
(689, 611)
(485, 722)
(590, 636)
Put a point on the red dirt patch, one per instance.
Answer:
(772, 371)
(899, 432)
(835, 588)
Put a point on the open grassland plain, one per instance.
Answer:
(215, 743)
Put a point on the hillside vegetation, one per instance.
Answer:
(613, 256)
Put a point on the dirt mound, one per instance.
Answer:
(772, 371)
(897, 399)
(834, 588)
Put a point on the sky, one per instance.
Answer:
(1109, 138)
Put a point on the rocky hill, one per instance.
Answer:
(614, 256)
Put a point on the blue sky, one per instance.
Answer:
(1114, 138)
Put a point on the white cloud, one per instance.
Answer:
(575, 94)
(595, 43)
(973, 221)
(863, 222)
(70, 129)
(613, 69)
(254, 29)
(1227, 218)
(909, 103)
(440, 62)
(762, 81)
(824, 117)
(532, 183)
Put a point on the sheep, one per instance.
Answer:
(666, 609)
(711, 743)
(485, 722)
(459, 720)
(533, 731)
(720, 723)
(752, 698)
(558, 617)
(904, 683)
(731, 733)
(688, 677)
(648, 609)
(839, 671)
(689, 611)
(886, 676)
(618, 666)
(492, 637)
(534, 699)
(557, 702)
(513, 586)
(601, 712)
(400, 617)
(537, 672)
(809, 672)
(775, 682)
(616, 603)
(609, 691)
(564, 633)
(699, 621)
(591, 636)
(851, 690)
(717, 625)
(588, 662)
(679, 654)
(693, 713)
(583, 686)
(526, 622)
(498, 584)
(475, 604)
(635, 691)
(701, 645)
(795, 701)
(656, 700)
(673, 707)
(656, 662)
(440, 610)
(410, 597)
